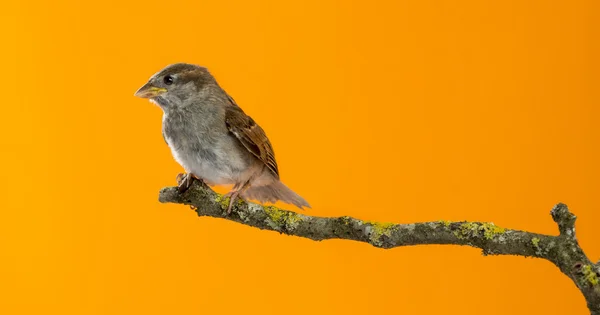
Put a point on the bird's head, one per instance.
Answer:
(176, 85)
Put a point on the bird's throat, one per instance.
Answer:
(161, 101)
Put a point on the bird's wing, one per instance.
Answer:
(251, 135)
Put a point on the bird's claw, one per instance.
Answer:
(184, 181)
(179, 178)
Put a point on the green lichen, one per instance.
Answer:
(536, 244)
(472, 229)
(282, 220)
(444, 223)
(293, 219)
(466, 229)
(346, 220)
(490, 230)
(379, 229)
(274, 214)
(223, 201)
(589, 275)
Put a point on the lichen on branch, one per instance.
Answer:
(563, 250)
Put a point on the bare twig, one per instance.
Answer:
(562, 250)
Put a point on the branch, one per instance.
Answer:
(562, 250)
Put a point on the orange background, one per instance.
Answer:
(399, 111)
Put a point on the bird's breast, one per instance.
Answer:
(206, 151)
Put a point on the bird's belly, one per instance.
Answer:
(210, 171)
(213, 165)
(211, 175)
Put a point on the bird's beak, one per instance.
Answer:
(149, 91)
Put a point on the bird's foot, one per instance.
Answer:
(232, 195)
(184, 181)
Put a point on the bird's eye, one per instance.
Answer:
(168, 80)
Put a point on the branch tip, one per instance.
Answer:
(167, 194)
(565, 219)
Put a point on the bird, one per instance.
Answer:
(213, 139)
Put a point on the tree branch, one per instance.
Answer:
(562, 250)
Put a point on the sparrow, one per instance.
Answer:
(212, 138)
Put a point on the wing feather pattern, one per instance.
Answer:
(251, 135)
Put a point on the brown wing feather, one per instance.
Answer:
(251, 135)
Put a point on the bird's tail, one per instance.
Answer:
(273, 192)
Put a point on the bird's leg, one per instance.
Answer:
(230, 193)
(232, 199)
(184, 181)
(233, 194)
